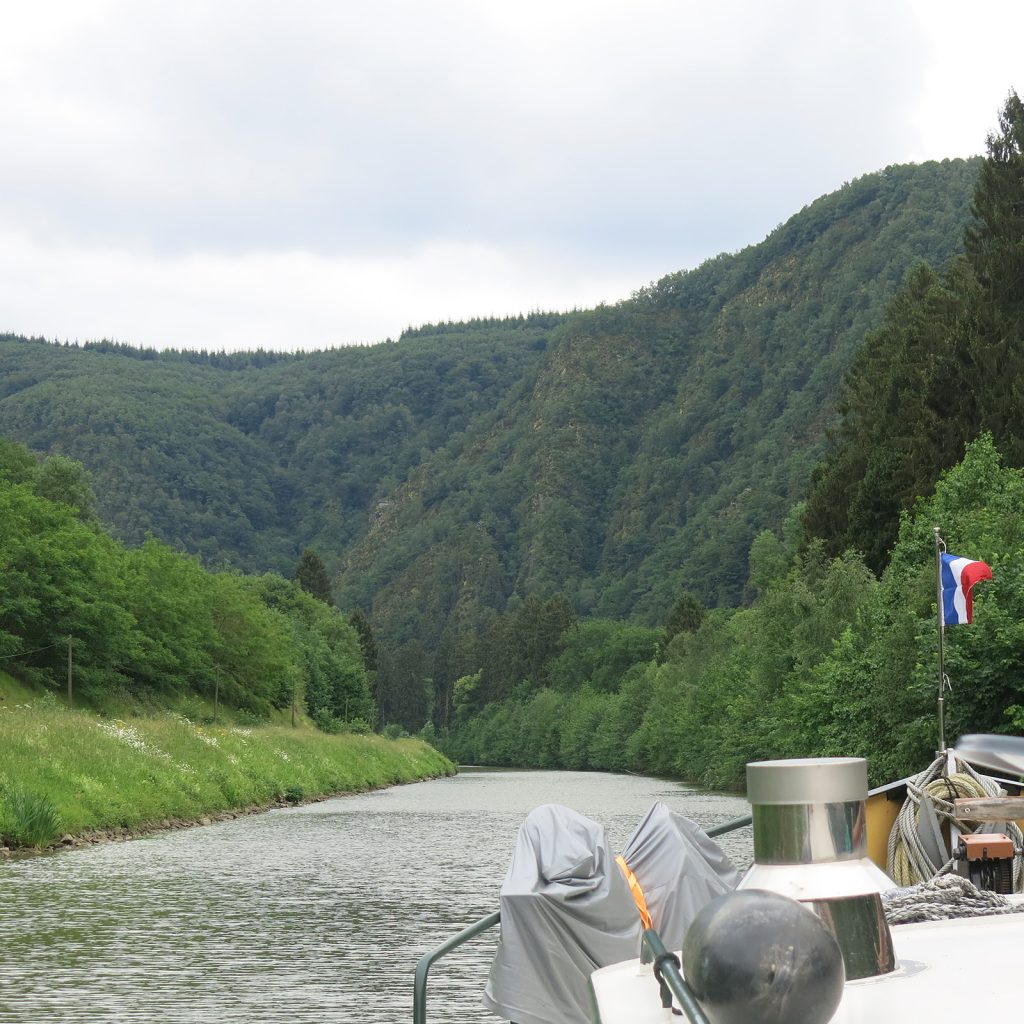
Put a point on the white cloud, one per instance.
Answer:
(279, 300)
(241, 173)
(974, 61)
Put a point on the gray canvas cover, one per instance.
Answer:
(566, 910)
(679, 870)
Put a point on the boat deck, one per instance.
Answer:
(946, 970)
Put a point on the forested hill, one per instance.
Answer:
(615, 457)
(248, 458)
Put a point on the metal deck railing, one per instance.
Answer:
(419, 999)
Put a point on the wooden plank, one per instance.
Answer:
(989, 808)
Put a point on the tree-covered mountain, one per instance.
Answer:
(601, 462)
(837, 652)
(659, 437)
(248, 458)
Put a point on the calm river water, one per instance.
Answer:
(311, 914)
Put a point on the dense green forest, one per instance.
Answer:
(828, 660)
(147, 626)
(666, 535)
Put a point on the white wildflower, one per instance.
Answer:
(128, 735)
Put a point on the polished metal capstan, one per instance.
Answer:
(810, 843)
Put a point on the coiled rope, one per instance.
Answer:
(907, 861)
(940, 899)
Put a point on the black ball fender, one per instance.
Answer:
(756, 956)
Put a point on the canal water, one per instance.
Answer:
(308, 914)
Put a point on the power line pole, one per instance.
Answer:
(71, 696)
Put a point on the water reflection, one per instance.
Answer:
(312, 914)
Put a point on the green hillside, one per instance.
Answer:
(836, 652)
(609, 459)
(659, 437)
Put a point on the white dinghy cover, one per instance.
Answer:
(566, 910)
(679, 869)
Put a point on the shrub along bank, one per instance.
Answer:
(72, 772)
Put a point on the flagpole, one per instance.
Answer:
(942, 633)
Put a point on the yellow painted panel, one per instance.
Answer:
(882, 813)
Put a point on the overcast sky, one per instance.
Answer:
(234, 174)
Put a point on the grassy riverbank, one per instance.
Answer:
(73, 772)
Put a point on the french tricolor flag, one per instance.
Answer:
(958, 576)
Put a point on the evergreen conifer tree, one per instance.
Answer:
(995, 242)
(685, 616)
(995, 250)
(311, 575)
(361, 624)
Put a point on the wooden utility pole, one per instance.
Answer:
(71, 695)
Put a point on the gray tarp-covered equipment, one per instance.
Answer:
(679, 870)
(566, 910)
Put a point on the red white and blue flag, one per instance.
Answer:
(958, 577)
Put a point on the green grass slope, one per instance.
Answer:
(64, 771)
